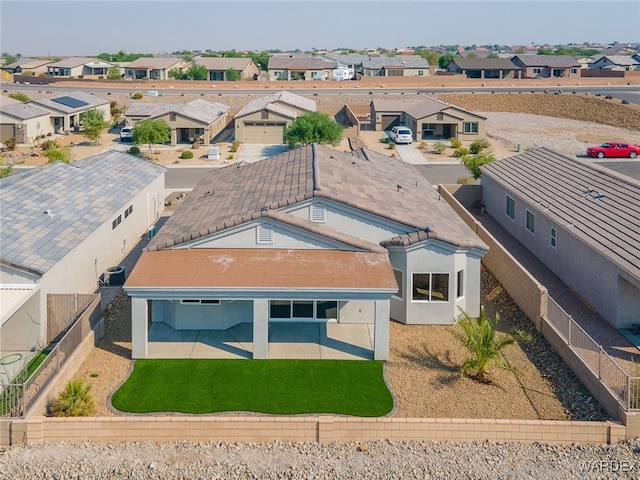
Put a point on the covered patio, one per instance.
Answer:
(287, 340)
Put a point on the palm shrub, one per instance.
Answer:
(479, 336)
(74, 401)
(455, 143)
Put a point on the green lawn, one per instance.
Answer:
(267, 386)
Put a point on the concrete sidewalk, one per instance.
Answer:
(254, 152)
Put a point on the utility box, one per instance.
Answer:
(214, 153)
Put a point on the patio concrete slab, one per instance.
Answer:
(347, 341)
(254, 152)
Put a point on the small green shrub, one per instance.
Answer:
(195, 146)
(100, 77)
(234, 146)
(461, 152)
(455, 143)
(74, 401)
(230, 156)
(19, 96)
(422, 145)
(137, 95)
(384, 140)
(391, 146)
(46, 145)
(134, 150)
(186, 155)
(10, 144)
(479, 145)
(80, 77)
(439, 148)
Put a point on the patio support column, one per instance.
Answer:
(260, 328)
(381, 330)
(139, 328)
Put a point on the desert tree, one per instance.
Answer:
(313, 127)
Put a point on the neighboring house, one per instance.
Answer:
(428, 119)
(22, 121)
(578, 218)
(479, 52)
(79, 66)
(195, 121)
(484, 67)
(153, 68)
(299, 67)
(264, 119)
(546, 66)
(66, 109)
(383, 65)
(312, 235)
(27, 65)
(625, 63)
(218, 67)
(62, 226)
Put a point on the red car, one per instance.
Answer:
(614, 149)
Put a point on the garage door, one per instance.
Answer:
(389, 121)
(255, 132)
(7, 130)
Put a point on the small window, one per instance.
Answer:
(318, 214)
(264, 115)
(172, 117)
(554, 237)
(531, 222)
(470, 127)
(420, 73)
(460, 284)
(430, 287)
(326, 309)
(537, 70)
(128, 211)
(264, 235)
(511, 208)
(399, 276)
(440, 117)
(116, 222)
(192, 301)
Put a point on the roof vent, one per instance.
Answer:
(208, 193)
(47, 212)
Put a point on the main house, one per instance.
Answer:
(153, 68)
(578, 218)
(501, 68)
(197, 121)
(312, 235)
(62, 227)
(79, 66)
(264, 119)
(299, 67)
(65, 110)
(547, 66)
(218, 68)
(428, 119)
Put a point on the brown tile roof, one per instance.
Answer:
(601, 207)
(277, 102)
(547, 60)
(224, 63)
(244, 268)
(362, 179)
(418, 109)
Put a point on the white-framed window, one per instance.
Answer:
(399, 274)
(511, 208)
(553, 237)
(117, 221)
(470, 127)
(420, 73)
(537, 70)
(428, 130)
(318, 214)
(264, 235)
(460, 284)
(198, 301)
(530, 222)
(296, 309)
(574, 70)
(430, 287)
(128, 211)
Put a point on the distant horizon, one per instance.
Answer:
(90, 27)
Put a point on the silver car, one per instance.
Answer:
(401, 135)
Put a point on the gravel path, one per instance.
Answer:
(280, 460)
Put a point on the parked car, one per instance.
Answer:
(401, 135)
(614, 149)
(126, 134)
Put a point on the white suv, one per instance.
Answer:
(401, 135)
(126, 134)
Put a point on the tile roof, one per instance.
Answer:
(6, 100)
(244, 268)
(146, 109)
(626, 60)
(89, 99)
(397, 61)
(547, 60)
(362, 179)
(27, 63)
(154, 62)
(224, 63)
(417, 109)
(570, 188)
(198, 109)
(77, 61)
(80, 197)
(485, 64)
(272, 101)
(23, 111)
(300, 63)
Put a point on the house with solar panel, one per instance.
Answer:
(66, 108)
(578, 218)
(62, 227)
(310, 241)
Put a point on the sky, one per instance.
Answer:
(89, 27)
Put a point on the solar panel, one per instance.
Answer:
(70, 102)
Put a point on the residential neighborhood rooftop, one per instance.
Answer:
(70, 102)
(269, 101)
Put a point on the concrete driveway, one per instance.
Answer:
(253, 152)
(411, 154)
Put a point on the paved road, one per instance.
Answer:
(621, 92)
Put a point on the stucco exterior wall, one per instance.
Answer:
(32, 126)
(23, 330)
(272, 118)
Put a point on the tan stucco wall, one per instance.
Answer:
(34, 126)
